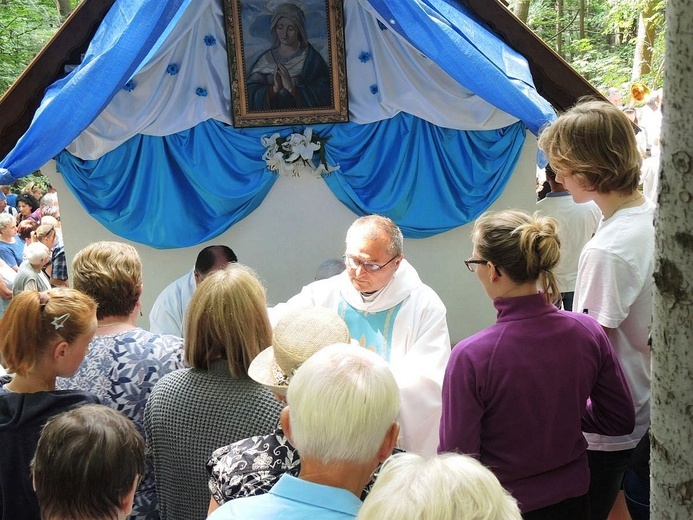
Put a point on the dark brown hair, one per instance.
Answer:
(86, 462)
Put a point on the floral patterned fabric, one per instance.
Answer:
(121, 370)
(253, 466)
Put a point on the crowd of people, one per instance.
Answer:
(346, 401)
(32, 255)
(644, 109)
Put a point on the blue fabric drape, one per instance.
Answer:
(427, 179)
(173, 191)
(129, 31)
(448, 34)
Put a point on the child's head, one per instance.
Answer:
(35, 323)
(594, 142)
(87, 464)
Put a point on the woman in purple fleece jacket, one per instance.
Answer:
(519, 394)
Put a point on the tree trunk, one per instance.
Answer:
(672, 362)
(64, 9)
(642, 59)
(559, 27)
(522, 10)
(581, 7)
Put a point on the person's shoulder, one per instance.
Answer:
(476, 345)
(326, 286)
(271, 452)
(587, 322)
(158, 343)
(178, 286)
(419, 289)
(171, 382)
(138, 345)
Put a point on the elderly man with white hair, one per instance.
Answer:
(341, 417)
(451, 486)
(30, 277)
(391, 312)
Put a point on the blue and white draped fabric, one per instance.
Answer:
(152, 97)
(129, 31)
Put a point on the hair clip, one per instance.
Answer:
(43, 298)
(59, 321)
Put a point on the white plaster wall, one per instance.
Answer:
(299, 224)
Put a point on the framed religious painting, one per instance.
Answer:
(286, 62)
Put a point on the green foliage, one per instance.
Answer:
(605, 55)
(25, 27)
(36, 177)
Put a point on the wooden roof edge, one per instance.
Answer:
(556, 81)
(19, 104)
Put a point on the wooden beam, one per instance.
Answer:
(20, 102)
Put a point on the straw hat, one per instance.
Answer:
(295, 338)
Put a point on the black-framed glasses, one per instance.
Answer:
(354, 263)
(471, 264)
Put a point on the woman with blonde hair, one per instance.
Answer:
(518, 394)
(42, 336)
(45, 234)
(191, 412)
(48, 234)
(124, 361)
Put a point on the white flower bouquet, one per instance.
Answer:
(294, 155)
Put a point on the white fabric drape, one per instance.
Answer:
(186, 82)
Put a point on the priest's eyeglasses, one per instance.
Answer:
(354, 263)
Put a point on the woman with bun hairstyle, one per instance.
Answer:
(518, 394)
(42, 336)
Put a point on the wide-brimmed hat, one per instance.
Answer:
(295, 338)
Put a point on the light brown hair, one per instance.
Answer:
(227, 319)
(42, 232)
(595, 142)
(29, 325)
(525, 247)
(111, 273)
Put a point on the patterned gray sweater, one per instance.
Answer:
(189, 414)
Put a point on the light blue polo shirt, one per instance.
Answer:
(293, 499)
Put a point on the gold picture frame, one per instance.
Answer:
(287, 62)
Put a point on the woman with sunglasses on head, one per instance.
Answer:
(27, 207)
(518, 394)
(42, 336)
